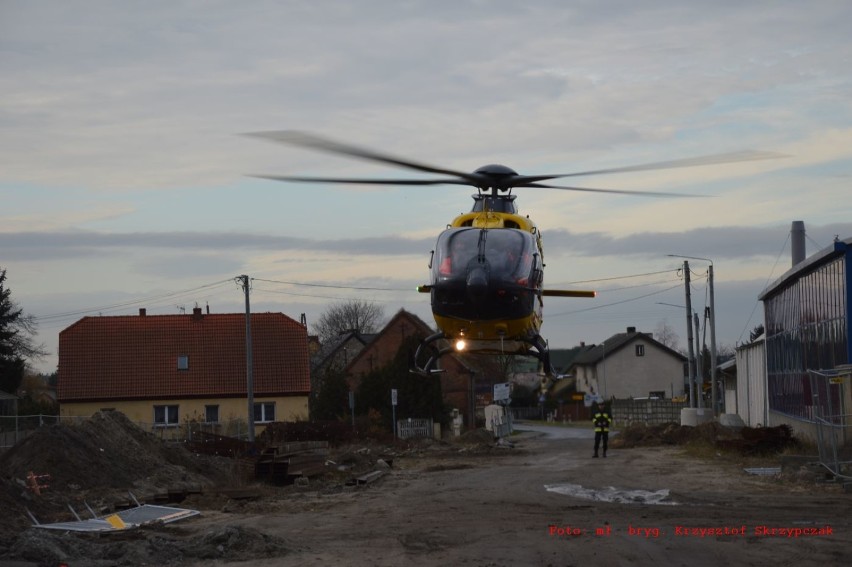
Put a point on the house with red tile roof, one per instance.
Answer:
(170, 370)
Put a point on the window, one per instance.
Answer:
(640, 350)
(211, 414)
(264, 412)
(165, 416)
(183, 362)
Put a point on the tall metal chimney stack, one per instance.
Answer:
(797, 240)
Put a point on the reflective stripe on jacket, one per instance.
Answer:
(601, 421)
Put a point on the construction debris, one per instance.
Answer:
(142, 515)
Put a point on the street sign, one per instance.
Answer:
(589, 399)
(393, 397)
(502, 391)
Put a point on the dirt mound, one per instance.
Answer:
(96, 461)
(105, 451)
(151, 547)
(746, 440)
(477, 437)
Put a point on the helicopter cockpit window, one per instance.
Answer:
(508, 254)
(456, 248)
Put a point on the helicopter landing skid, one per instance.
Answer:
(428, 347)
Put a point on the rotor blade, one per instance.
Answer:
(616, 191)
(305, 140)
(732, 157)
(568, 293)
(364, 181)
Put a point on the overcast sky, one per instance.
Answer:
(124, 180)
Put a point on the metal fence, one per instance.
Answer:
(830, 391)
(15, 428)
(537, 412)
(649, 412)
(410, 428)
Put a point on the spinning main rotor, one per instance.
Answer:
(493, 178)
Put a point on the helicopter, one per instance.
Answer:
(487, 268)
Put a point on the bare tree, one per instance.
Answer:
(665, 334)
(352, 315)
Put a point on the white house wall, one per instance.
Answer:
(625, 375)
(751, 384)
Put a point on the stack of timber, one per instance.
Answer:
(283, 463)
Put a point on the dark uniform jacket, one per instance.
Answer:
(602, 421)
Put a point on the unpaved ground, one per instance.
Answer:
(496, 511)
(455, 504)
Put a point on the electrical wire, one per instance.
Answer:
(619, 277)
(771, 273)
(596, 307)
(331, 286)
(151, 299)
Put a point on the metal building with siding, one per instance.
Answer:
(807, 321)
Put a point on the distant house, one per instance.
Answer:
(563, 361)
(629, 365)
(167, 370)
(337, 354)
(459, 377)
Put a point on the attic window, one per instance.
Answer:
(183, 362)
(640, 350)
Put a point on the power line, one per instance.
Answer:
(757, 302)
(264, 290)
(170, 295)
(613, 303)
(620, 277)
(303, 284)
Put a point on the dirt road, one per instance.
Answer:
(545, 503)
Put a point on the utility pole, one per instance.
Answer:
(689, 334)
(249, 366)
(699, 371)
(713, 383)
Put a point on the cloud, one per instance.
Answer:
(725, 242)
(36, 246)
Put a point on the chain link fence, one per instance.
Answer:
(830, 392)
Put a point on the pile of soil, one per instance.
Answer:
(746, 440)
(96, 461)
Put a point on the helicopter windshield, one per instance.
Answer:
(508, 254)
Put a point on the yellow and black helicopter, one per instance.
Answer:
(487, 269)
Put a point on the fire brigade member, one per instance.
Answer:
(601, 420)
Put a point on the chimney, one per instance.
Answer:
(208, 309)
(797, 241)
(631, 330)
(142, 312)
(196, 314)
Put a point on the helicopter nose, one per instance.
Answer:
(477, 284)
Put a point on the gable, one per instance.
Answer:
(381, 350)
(137, 357)
(621, 342)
